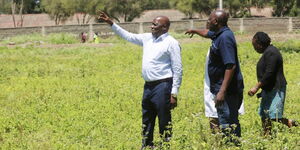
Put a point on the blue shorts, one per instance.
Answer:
(272, 103)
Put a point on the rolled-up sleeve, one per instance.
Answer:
(176, 64)
(131, 37)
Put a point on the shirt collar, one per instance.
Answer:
(161, 37)
(220, 31)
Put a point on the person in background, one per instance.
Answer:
(271, 80)
(162, 72)
(96, 38)
(83, 36)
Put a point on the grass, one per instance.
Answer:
(53, 38)
(290, 46)
(87, 97)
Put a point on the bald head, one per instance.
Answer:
(160, 25)
(221, 17)
(217, 20)
(163, 20)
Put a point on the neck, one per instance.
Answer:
(158, 35)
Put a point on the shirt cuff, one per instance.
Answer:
(175, 90)
(114, 26)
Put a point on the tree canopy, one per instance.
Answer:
(127, 10)
(58, 10)
(238, 8)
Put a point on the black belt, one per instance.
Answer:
(158, 81)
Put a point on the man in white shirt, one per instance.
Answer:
(162, 72)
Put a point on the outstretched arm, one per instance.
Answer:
(201, 32)
(131, 37)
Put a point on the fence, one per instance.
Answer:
(249, 25)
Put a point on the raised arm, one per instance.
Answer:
(131, 37)
(201, 32)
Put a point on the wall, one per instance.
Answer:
(277, 25)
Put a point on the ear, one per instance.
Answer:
(165, 27)
(215, 22)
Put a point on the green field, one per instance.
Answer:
(60, 94)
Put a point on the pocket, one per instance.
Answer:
(167, 92)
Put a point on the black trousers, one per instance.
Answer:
(156, 102)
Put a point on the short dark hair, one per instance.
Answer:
(262, 39)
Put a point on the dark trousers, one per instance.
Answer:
(156, 102)
(228, 114)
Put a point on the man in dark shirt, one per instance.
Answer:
(226, 81)
(271, 80)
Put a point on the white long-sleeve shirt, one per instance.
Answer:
(161, 56)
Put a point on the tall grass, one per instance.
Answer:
(290, 46)
(53, 38)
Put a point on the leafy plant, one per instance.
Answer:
(89, 97)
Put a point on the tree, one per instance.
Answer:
(283, 7)
(5, 7)
(236, 8)
(295, 11)
(126, 9)
(33, 7)
(17, 6)
(205, 6)
(185, 6)
(87, 8)
(155, 4)
(260, 3)
(58, 10)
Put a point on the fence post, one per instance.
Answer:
(43, 31)
(191, 24)
(91, 32)
(290, 26)
(141, 29)
(241, 24)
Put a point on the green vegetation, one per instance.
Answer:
(292, 46)
(53, 38)
(88, 97)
